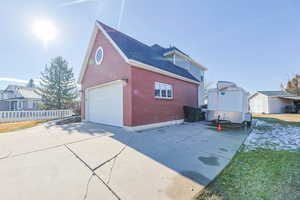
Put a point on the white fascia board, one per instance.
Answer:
(87, 54)
(186, 58)
(108, 83)
(255, 94)
(85, 62)
(138, 64)
(112, 42)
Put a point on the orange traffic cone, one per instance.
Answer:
(219, 128)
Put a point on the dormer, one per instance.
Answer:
(183, 60)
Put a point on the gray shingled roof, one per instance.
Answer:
(25, 92)
(29, 93)
(141, 52)
(277, 93)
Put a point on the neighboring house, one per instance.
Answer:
(271, 101)
(129, 84)
(16, 97)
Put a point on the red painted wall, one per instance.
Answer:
(113, 67)
(147, 109)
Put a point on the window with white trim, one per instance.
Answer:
(163, 90)
(99, 56)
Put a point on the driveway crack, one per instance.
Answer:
(111, 169)
(87, 187)
(93, 174)
(114, 159)
(115, 156)
(11, 155)
(7, 155)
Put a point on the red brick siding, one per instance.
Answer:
(140, 105)
(147, 109)
(113, 67)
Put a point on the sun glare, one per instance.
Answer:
(44, 31)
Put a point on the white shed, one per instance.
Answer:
(270, 102)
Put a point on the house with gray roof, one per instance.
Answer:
(19, 98)
(272, 102)
(127, 83)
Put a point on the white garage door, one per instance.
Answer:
(105, 105)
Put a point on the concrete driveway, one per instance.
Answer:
(91, 161)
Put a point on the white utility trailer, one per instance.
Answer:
(228, 102)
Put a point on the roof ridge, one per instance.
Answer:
(147, 53)
(127, 36)
(172, 48)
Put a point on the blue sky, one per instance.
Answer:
(253, 43)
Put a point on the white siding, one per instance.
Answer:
(264, 104)
(259, 104)
(277, 105)
(196, 72)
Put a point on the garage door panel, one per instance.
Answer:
(105, 105)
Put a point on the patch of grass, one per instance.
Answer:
(283, 119)
(259, 174)
(14, 126)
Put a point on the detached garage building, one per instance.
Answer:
(129, 84)
(271, 102)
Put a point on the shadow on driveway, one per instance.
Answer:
(195, 152)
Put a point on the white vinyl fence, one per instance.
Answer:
(13, 116)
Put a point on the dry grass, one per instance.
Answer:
(282, 117)
(14, 126)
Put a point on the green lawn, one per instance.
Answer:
(259, 174)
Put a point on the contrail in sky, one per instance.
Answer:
(76, 2)
(73, 2)
(121, 13)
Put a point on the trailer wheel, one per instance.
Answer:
(249, 123)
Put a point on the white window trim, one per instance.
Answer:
(165, 84)
(20, 105)
(99, 62)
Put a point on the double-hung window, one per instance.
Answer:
(163, 91)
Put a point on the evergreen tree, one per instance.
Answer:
(31, 83)
(58, 87)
